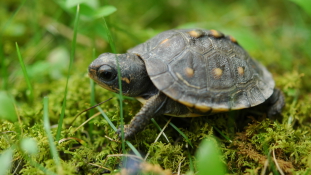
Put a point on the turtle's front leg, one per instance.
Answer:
(154, 107)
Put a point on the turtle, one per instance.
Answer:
(187, 73)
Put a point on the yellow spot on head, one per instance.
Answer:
(126, 80)
(233, 39)
(189, 72)
(196, 33)
(164, 41)
(217, 72)
(216, 34)
(241, 70)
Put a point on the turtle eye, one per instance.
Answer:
(106, 73)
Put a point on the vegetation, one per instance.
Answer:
(46, 47)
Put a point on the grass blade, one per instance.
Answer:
(112, 45)
(21, 62)
(133, 149)
(3, 67)
(47, 129)
(191, 165)
(72, 54)
(107, 119)
(156, 124)
(162, 130)
(3, 70)
(181, 133)
(92, 101)
(221, 133)
(91, 112)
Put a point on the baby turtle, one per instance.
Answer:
(187, 73)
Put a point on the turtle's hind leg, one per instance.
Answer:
(276, 103)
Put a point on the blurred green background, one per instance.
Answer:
(277, 33)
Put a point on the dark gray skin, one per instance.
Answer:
(275, 103)
(136, 83)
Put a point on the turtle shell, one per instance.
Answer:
(205, 70)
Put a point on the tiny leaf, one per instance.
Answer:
(7, 108)
(6, 161)
(86, 11)
(90, 3)
(304, 4)
(208, 158)
(104, 11)
(29, 146)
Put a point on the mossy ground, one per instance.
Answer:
(277, 33)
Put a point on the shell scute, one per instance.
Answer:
(205, 70)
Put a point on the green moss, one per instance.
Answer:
(168, 156)
(277, 33)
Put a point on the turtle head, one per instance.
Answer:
(134, 78)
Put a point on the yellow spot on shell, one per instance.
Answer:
(196, 33)
(217, 110)
(186, 103)
(233, 39)
(185, 115)
(241, 70)
(202, 108)
(189, 72)
(186, 82)
(240, 107)
(216, 34)
(164, 41)
(217, 72)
